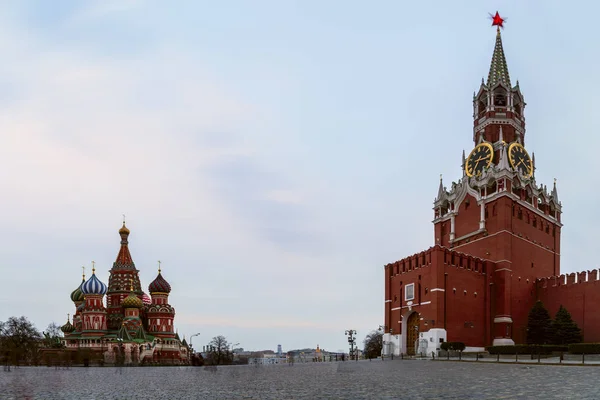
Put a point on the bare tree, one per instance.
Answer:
(53, 336)
(373, 344)
(219, 353)
(19, 341)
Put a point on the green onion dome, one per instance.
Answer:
(68, 327)
(77, 294)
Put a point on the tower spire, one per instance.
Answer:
(498, 68)
(124, 260)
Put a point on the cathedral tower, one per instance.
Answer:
(122, 274)
(160, 313)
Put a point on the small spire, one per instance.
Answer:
(68, 317)
(159, 262)
(123, 219)
(503, 164)
(93, 267)
(441, 190)
(554, 194)
(83, 274)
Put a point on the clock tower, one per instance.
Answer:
(497, 211)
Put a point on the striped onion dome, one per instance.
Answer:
(77, 294)
(68, 327)
(159, 285)
(146, 299)
(93, 286)
(132, 301)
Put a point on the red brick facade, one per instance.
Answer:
(497, 239)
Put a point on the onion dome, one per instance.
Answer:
(132, 301)
(124, 230)
(159, 285)
(146, 299)
(77, 294)
(93, 285)
(68, 327)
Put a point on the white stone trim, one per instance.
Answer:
(503, 342)
(396, 308)
(437, 290)
(415, 305)
(388, 301)
(503, 269)
(499, 320)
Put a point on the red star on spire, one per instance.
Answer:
(497, 20)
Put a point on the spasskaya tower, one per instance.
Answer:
(497, 211)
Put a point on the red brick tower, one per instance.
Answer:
(497, 211)
(160, 313)
(122, 274)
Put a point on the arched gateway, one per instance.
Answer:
(412, 332)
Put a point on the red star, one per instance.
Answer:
(497, 20)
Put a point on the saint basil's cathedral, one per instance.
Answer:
(496, 243)
(139, 325)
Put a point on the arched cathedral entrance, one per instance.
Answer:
(412, 333)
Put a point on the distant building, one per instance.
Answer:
(279, 350)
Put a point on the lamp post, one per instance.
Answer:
(191, 338)
(351, 340)
(232, 346)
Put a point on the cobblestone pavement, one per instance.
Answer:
(398, 379)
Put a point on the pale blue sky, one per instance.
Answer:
(273, 154)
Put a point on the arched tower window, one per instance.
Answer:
(481, 106)
(500, 99)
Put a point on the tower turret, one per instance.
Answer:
(93, 313)
(160, 313)
(122, 273)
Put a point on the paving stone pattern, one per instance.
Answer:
(398, 379)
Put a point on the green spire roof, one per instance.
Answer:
(498, 68)
(124, 335)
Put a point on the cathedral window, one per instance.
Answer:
(534, 222)
(520, 214)
(547, 229)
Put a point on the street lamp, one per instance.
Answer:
(351, 340)
(232, 346)
(191, 338)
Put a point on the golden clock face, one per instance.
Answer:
(519, 159)
(481, 157)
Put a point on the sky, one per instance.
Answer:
(274, 155)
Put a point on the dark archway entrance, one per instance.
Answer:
(412, 333)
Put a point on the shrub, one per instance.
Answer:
(584, 348)
(453, 346)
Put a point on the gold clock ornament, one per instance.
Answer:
(519, 159)
(481, 157)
